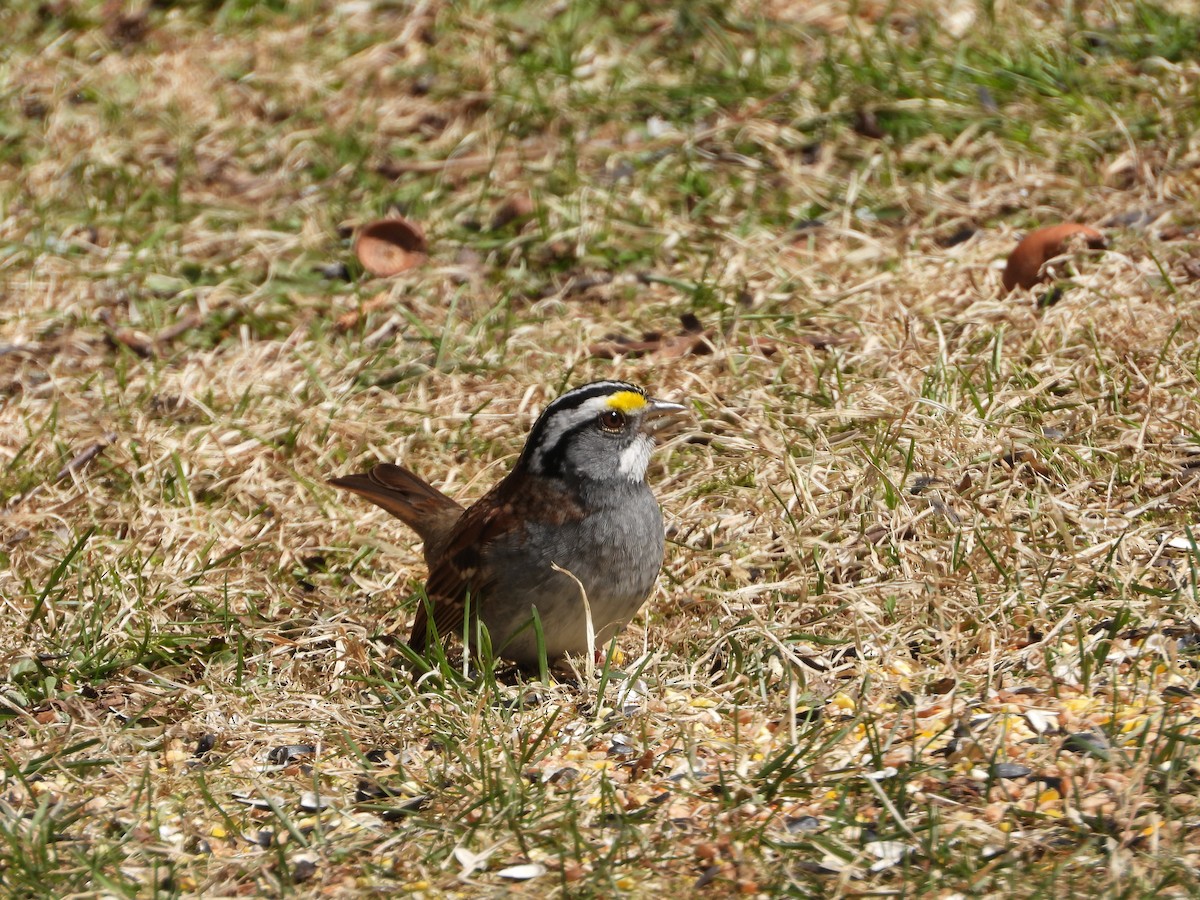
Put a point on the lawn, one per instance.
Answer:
(929, 619)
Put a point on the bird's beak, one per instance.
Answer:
(659, 414)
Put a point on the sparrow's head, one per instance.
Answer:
(600, 431)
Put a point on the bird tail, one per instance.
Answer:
(416, 503)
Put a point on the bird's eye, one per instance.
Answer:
(612, 420)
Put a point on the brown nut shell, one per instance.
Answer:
(1024, 268)
(390, 246)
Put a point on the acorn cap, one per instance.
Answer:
(390, 246)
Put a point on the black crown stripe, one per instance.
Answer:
(581, 395)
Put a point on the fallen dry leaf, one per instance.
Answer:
(1024, 268)
(694, 340)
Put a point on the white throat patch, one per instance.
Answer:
(636, 457)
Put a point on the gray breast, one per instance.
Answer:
(615, 552)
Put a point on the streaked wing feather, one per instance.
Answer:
(461, 564)
(456, 571)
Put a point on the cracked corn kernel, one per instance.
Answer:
(1133, 723)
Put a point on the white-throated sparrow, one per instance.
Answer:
(577, 499)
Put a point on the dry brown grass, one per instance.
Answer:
(920, 530)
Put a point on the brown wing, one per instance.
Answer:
(461, 568)
(457, 568)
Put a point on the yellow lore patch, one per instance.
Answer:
(626, 401)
